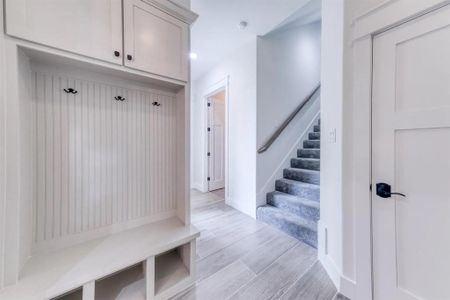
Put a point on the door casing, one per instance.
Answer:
(213, 159)
(215, 88)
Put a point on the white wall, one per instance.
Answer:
(2, 148)
(269, 76)
(240, 68)
(337, 202)
(288, 70)
(330, 251)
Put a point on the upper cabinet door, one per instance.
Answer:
(88, 27)
(155, 42)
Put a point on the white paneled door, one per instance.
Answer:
(411, 154)
(216, 143)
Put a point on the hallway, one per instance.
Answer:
(241, 258)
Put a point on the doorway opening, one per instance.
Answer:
(216, 141)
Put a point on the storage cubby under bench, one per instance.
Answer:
(149, 262)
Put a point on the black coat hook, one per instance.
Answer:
(119, 98)
(156, 104)
(70, 91)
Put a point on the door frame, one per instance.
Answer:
(222, 85)
(388, 14)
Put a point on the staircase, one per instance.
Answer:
(294, 206)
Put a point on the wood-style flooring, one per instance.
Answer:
(241, 258)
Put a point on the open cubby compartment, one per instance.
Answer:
(98, 168)
(174, 270)
(123, 285)
(72, 295)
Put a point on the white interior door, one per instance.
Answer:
(216, 143)
(411, 152)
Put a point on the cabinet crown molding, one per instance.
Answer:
(175, 10)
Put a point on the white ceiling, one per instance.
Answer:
(216, 33)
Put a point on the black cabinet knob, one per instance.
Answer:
(129, 57)
(116, 53)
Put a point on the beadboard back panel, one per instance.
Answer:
(102, 163)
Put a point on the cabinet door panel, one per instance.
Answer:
(86, 27)
(156, 41)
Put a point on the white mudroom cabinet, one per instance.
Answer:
(140, 34)
(95, 150)
(154, 40)
(91, 28)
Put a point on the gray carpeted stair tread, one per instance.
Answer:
(303, 175)
(314, 136)
(298, 227)
(302, 207)
(308, 153)
(297, 188)
(316, 128)
(315, 144)
(306, 163)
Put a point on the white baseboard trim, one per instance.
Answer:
(332, 270)
(348, 287)
(343, 284)
(198, 186)
(229, 201)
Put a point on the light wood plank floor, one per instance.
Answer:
(241, 258)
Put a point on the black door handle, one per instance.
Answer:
(384, 191)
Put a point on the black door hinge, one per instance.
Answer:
(209, 104)
(370, 187)
(209, 129)
(209, 153)
(209, 179)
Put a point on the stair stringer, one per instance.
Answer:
(269, 185)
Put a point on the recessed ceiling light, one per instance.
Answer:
(193, 55)
(243, 24)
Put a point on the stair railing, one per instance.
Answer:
(288, 120)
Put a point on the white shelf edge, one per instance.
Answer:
(119, 70)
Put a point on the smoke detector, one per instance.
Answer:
(243, 25)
